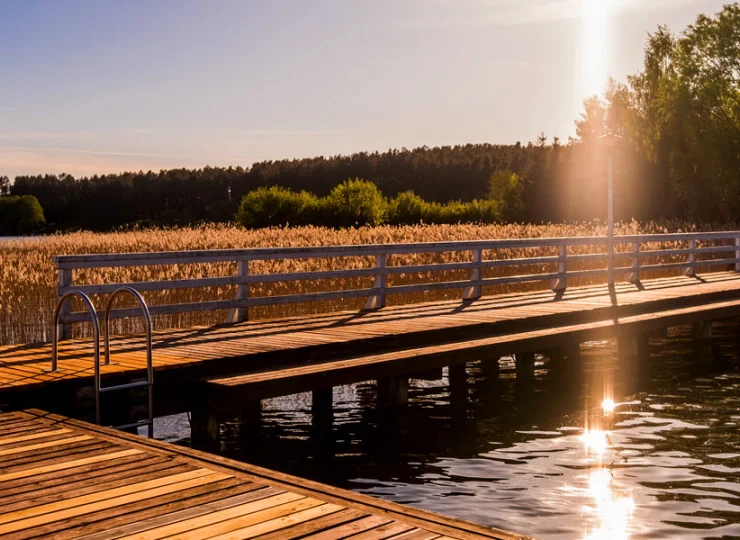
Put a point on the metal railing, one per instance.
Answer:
(555, 260)
(149, 383)
(99, 389)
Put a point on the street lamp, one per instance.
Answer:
(610, 141)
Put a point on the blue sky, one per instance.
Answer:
(97, 86)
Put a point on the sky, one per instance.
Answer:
(97, 86)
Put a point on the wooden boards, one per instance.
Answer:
(63, 479)
(187, 354)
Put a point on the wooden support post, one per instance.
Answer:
(65, 280)
(634, 357)
(241, 314)
(524, 366)
(489, 368)
(322, 410)
(702, 330)
(634, 276)
(458, 377)
(561, 283)
(737, 254)
(393, 392)
(378, 300)
(204, 429)
(691, 270)
(475, 291)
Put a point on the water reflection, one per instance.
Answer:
(595, 441)
(665, 463)
(613, 509)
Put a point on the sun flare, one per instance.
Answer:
(595, 15)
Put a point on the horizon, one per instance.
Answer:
(106, 88)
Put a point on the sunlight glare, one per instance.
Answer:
(594, 47)
(595, 440)
(608, 405)
(614, 510)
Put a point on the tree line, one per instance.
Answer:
(679, 116)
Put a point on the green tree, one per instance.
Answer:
(4, 185)
(20, 215)
(276, 206)
(406, 208)
(506, 188)
(686, 113)
(355, 203)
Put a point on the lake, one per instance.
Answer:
(663, 464)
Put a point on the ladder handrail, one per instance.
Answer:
(149, 364)
(55, 327)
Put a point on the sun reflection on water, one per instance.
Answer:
(613, 509)
(595, 441)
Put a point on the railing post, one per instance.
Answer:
(377, 301)
(737, 254)
(562, 282)
(65, 280)
(241, 314)
(691, 270)
(475, 291)
(635, 276)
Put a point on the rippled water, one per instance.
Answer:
(664, 464)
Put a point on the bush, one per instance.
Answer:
(20, 215)
(406, 208)
(507, 188)
(276, 206)
(354, 203)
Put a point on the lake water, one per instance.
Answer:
(664, 464)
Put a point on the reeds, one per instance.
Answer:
(28, 277)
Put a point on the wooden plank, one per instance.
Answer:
(279, 523)
(256, 508)
(315, 525)
(149, 514)
(81, 505)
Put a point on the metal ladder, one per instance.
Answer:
(99, 389)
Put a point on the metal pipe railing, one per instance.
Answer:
(149, 363)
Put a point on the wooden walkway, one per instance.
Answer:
(62, 478)
(190, 354)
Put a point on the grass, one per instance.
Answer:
(28, 276)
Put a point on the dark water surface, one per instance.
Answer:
(664, 464)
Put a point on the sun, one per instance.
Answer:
(595, 16)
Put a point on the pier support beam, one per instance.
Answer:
(489, 368)
(204, 429)
(702, 330)
(393, 392)
(322, 409)
(634, 357)
(524, 366)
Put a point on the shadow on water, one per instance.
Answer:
(543, 457)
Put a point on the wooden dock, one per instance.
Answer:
(63, 479)
(535, 321)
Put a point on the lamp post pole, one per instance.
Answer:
(610, 223)
(610, 141)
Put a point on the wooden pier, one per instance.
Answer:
(67, 479)
(62, 478)
(260, 359)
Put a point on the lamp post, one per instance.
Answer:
(610, 141)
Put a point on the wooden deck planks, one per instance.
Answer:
(25, 366)
(147, 489)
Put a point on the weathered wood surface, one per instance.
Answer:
(231, 349)
(63, 479)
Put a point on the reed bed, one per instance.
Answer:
(28, 277)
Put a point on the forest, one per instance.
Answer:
(680, 157)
